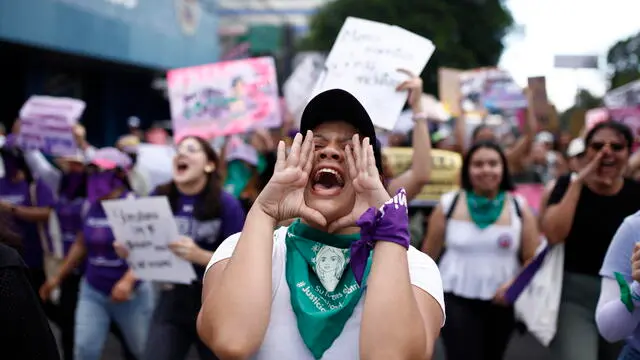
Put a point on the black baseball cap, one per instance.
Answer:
(340, 105)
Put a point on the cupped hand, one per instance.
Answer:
(635, 263)
(414, 86)
(370, 192)
(283, 196)
(590, 168)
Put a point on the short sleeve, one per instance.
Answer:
(424, 274)
(224, 251)
(618, 257)
(233, 215)
(562, 184)
(45, 195)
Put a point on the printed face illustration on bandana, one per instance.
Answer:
(329, 265)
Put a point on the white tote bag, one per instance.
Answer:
(539, 304)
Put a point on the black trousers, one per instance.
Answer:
(476, 329)
(173, 326)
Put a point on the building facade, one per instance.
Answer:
(106, 52)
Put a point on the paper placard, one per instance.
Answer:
(299, 86)
(46, 124)
(364, 61)
(224, 98)
(147, 226)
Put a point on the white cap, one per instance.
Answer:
(576, 147)
(544, 137)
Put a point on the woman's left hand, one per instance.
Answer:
(185, 248)
(500, 297)
(370, 192)
(414, 86)
(122, 291)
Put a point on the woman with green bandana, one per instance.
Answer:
(341, 282)
(488, 234)
(617, 313)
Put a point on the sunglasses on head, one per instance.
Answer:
(598, 145)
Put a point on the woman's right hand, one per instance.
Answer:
(283, 196)
(47, 288)
(590, 168)
(635, 263)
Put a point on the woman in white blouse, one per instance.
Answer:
(488, 234)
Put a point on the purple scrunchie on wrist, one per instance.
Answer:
(390, 223)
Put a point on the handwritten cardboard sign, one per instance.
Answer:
(147, 226)
(46, 124)
(224, 98)
(364, 61)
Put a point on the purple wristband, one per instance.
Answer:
(390, 223)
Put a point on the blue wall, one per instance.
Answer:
(148, 34)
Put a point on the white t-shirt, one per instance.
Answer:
(283, 341)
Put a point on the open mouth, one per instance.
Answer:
(327, 182)
(607, 165)
(182, 167)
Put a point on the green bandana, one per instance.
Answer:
(484, 211)
(324, 291)
(238, 176)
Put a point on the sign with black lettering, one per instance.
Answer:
(146, 226)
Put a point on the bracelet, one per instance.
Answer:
(627, 293)
(389, 223)
(420, 117)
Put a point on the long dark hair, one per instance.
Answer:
(616, 126)
(506, 184)
(21, 163)
(207, 205)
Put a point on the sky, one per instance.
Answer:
(566, 27)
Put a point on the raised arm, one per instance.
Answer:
(42, 169)
(418, 175)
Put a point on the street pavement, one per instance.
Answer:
(522, 347)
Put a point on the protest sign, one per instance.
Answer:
(364, 61)
(46, 124)
(491, 89)
(539, 101)
(224, 98)
(624, 96)
(147, 226)
(299, 85)
(444, 173)
(449, 90)
(157, 161)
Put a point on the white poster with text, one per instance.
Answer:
(146, 226)
(364, 61)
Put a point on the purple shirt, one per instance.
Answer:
(104, 268)
(70, 217)
(18, 193)
(209, 234)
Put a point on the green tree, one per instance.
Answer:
(623, 60)
(467, 33)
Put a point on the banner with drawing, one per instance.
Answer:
(224, 98)
(46, 124)
(364, 61)
(146, 226)
(444, 173)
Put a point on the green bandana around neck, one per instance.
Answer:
(323, 289)
(485, 211)
(238, 176)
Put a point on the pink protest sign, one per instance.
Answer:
(224, 98)
(532, 193)
(46, 124)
